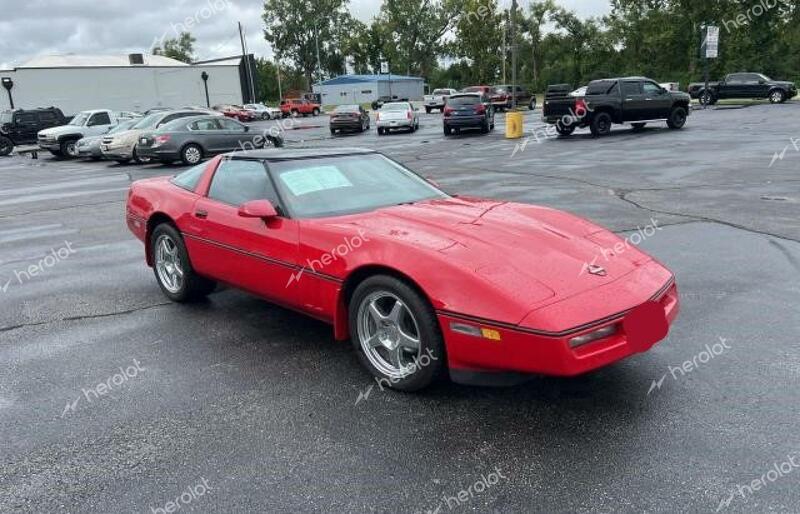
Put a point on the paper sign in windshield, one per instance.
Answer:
(312, 180)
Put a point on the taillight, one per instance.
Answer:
(408, 114)
(580, 107)
(377, 116)
(480, 109)
(160, 140)
(448, 110)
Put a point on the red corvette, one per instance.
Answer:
(422, 282)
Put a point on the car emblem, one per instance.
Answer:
(596, 270)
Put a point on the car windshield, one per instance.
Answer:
(334, 186)
(79, 120)
(395, 107)
(148, 121)
(463, 100)
(122, 127)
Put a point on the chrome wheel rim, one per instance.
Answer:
(777, 97)
(72, 150)
(168, 264)
(389, 334)
(192, 155)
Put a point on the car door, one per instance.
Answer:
(659, 101)
(634, 105)
(735, 86)
(757, 85)
(234, 136)
(207, 133)
(24, 127)
(256, 255)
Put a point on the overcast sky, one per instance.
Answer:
(40, 27)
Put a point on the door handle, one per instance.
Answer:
(200, 213)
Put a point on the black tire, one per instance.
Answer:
(315, 112)
(485, 127)
(448, 131)
(431, 343)
(707, 98)
(428, 110)
(191, 154)
(601, 124)
(333, 132)
(677, 118)
(56, 153)
(140, 160)
(532, 105)
(638, 127)
(777, 96)
(193, 287)
(565, 130)
(6, 146)
(69, 148)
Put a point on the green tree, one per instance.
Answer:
(180, 48)
(479, 39)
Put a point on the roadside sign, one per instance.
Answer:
(384, 67)
(710, 46)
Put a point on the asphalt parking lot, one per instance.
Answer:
(248, 407)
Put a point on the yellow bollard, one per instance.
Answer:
(513, 125)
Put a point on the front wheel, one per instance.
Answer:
(707, 98)
(777, 97)
(564, 129)
(315, 112)
(69, 148)
(448, 131)
(172, 267)
(532, 105)
(396, 334)
(677, 118)
(6, 145)
(138, 159)
(601, 124)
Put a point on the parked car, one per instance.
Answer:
(484, 90)
(743, 85)
(156, 109)
(263, 112)
(89, 146)
(397, 115)
(122, 146)
(468, 111)
(421, 292)
(192, 139)
(21, 126)
(61, 141)
(437, 99)
(377, 104)
(236, 112)
(634, 100)
(298, 106)
(349, 117)
(523, 96)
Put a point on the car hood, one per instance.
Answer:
(63, 129)
(532, 256)
(783, 83)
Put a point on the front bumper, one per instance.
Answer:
(513, 349)
(117, 152)
(49, 144)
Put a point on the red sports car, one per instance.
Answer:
(423, 282)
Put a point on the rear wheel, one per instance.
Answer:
(707, 98)
(601, 124)
(677, 118)
(396, 334)
(777, 97)
(428, 110)
(69, 148)
(448, 131)
(333, 132)
(6, 145)
(191, 154)
(315, 112)
(172, 267)
(485, 127)
(532, 105)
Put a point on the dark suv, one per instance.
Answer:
(468, 110)
(20, 126)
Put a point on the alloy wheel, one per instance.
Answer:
(389, 334)
(168, 264)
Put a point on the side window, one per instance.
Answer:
(173, 117)
(47, 116)
(631, 88)
(753, 78)
(651, 89)
(239, 181)
(99, 118)
(190, 178)
(736, 78)
(229, 124)
(26, 117)
(204, 125)
(614, 89)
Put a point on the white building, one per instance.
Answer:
(359, 89)
(134, 82)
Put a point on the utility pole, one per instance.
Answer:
(278, 73)
(513, 54)
(505, 51)
(247, 71)
(316, 40)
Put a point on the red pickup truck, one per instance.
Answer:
(297, 106)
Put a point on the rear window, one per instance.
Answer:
(600, 87)
(464, 100)
(395, 107)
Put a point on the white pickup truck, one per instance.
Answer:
(60, 141)
(437, 99)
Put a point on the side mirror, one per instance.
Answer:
(258, 209)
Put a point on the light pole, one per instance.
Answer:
(204, 76)
(8, 84)
(513, 54)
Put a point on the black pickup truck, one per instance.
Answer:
(19, 126)
(634, 100)
(743, 85)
